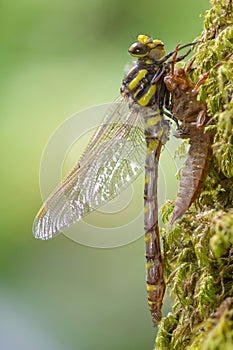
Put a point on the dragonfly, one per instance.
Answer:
(130, 140)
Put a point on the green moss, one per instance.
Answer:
(216, 332)
(222, 229)
(198, 249)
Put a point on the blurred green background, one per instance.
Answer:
(56, 58)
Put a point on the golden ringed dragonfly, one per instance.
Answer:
(130, 139)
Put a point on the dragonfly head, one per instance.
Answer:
(146, 47)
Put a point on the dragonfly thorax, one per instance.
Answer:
(139, 83)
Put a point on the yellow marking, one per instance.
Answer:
(149, 265)
(147, 179)
(144, 39)
(152, 146)
(146, 209)
(136, 92)
(158, 42)
(150, 303)
(142, 73)
(160, 132)
(145, 99)
(150, 288)
(147, 238)
(153, 121)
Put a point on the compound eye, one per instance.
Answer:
(138, 50)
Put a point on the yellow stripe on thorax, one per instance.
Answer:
(145, 99)
(141, 74)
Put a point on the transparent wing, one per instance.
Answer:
(114, 157)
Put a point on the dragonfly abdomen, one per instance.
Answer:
(155, 132)
(154, 267)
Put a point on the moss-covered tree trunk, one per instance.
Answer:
(198, 249)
